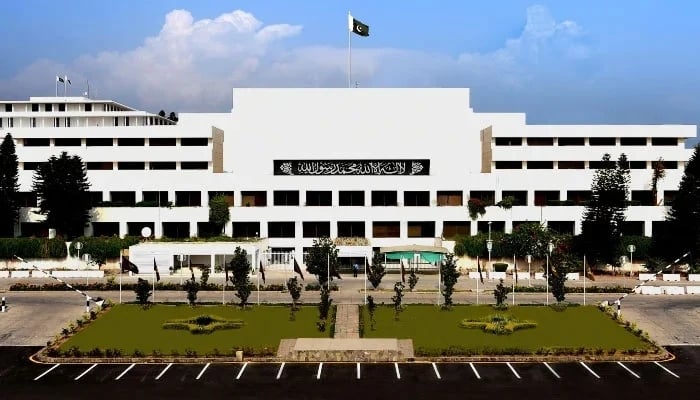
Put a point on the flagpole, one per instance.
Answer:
(223, 291)
(258, 275)
(121, 272)
(584, 279)
(514, 275)
(365, 280)
(477, 281)
(349, 50)
(328, 266)
(57, 90)
(65, 78)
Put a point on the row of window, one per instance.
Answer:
(356, 198)
(578, 164)
(107, 142)
(61, 107)
(132, 165)
(580, 141)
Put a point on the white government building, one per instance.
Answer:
(394, 166)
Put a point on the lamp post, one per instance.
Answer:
(489, 245)
(631, 248)
(78, 246)
(550, 247)
(529, 261)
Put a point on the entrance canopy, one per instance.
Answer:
(428, 254)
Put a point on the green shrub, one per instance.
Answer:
(32, 248)
(500, 267)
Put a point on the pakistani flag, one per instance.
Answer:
(59, 79)
(262, 272)
(357, 27)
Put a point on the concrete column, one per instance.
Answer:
(473, 227)
(647, 227)
(193, 228)
(123, 229)
(509, 225)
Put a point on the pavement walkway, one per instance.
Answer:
(347, 321)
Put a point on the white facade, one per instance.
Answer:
(487, 155)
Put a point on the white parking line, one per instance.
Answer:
(125, 371)
(358, 370)
(163, 371)
(398, 374)
(279, 373)
(629, 370)
(552, 370)
(667, 370)
(46, 372)
(474, 369)
(318, 374)
(85, 372)
(240, 373)
(202, 371)
(436, 371)
(514, 371)
(589, 369)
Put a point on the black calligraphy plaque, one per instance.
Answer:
(351, 167)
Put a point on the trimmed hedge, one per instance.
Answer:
(107, 247)
(32, 248)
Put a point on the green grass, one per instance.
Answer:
(130, 327)
(434, 330)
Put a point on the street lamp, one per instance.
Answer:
(631, 248)
(529, 261)
(489, 245)
(78, 246)
(550, 247)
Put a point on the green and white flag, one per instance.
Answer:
(357, 27)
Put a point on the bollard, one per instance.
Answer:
(618, 308)
(87, 306)
(3, 304)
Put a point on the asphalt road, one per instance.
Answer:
(22, 379)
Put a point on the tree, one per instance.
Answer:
(9, 186)
(192, 288)
(683, 233)
(376, 271)
(528, 238)
(371, 307)
(322, 260)
(219, 214)
(507, 202)
(657, 174)
(412, 279)
(449, 276)
(397, 299)
(143, 291)
(500, 293)
(173, 117)
(161, 113)
(295, 287)
(62, 186)
(240, 270)
(476, 208)
(561, 263)
(601, 228)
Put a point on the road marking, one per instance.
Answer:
(552, 370)
(514, 371)
(240, 373)
(629, 370)
(85, 372)
(318, 374)
(589, 369)
(47, 371)
(396, 367)
(667, 370)
(474, 369)
(279, 373)
(163, 371)
(202, 371)
(358, 370)
(125, 371)
(436, 371)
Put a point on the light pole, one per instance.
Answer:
(78, 246)
(550, 247)
(489, 245)
(529, 261)
(631, 248)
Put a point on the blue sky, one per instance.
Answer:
(567, 62)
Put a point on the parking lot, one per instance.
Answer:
(603, 379)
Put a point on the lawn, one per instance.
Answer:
(130, 327)
(434, 330)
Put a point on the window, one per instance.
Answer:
(160, 165)
(601, 141)
(246, 229)
(126, 121)
(67, 142)
(669, 196)
(10, 122)
(561, 227)
(546, 197)
(316, 229)
(131, 165)
(351, 198)
(520, 196)
(416, 198)
(254, 199)
(578, 197)
(157, 197)
(33, 122)
(38, 142)
(540, 165)
(633, 228)
(451, 229)
(642, 198)
(637, 164)
(280, 230)
(538, 141)
(194, 141)
(571, 141)
(56, 122)
(0, 122)
(62, 107)
(67, 122)
(667, 164)
(178, 230)
(106, 229)
(161, 142)
(449, 198)
(35, 107)
(88, 107)
(633, 141)
(31, 166)
(116, 121)
(27, 199)
(422, 229)
(509, 141)
(318, 198)
(95, 199)
(228, 195)
(48, 107)
(386, 229)
(496, 226)
(188, 199)
(571, 164)
(194, 165)
(384, 198)
(509, 164)
(123, 198)
(97, 165)
(8, 107)
(285, 197)
(90, 142)
(351, 229)
(486, 196)
(662, 141)
(130, 142)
